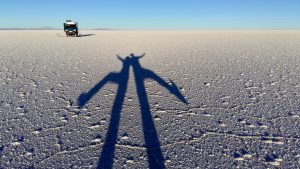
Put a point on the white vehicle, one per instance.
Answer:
(71, 28)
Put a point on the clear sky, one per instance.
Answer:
(152, 14)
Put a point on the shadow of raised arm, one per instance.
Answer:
(85, 97)
(172, 88)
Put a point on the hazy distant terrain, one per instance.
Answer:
(61, 99)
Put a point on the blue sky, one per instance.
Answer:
(152, 14)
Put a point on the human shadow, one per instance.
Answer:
(152, 144)
(121, 78)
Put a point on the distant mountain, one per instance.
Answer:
(42, 28)
(47, 28)
(103, 29)
(51, 28)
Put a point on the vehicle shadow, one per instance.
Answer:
(83, 35)
(80, 35)
(152, 144)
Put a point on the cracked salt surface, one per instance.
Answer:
(242, 89)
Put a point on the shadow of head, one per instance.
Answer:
(131, 59)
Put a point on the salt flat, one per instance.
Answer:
(198, 99)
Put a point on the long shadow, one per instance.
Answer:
(80, 35)
(152, 144)
(121, 78)
(155, 157)
(83, 35)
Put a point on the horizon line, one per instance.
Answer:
(152, 29)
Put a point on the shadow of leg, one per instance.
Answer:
(155, 157)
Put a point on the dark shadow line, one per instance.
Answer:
(155, 157)
(83, 35)
(108, 148)
(172, 88)
(80, 35)
(121, 78)
(154, 153)
(85, 97)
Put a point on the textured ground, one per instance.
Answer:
(242, 89)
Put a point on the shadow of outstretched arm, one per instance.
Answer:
(85, 97)
(171, 88)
